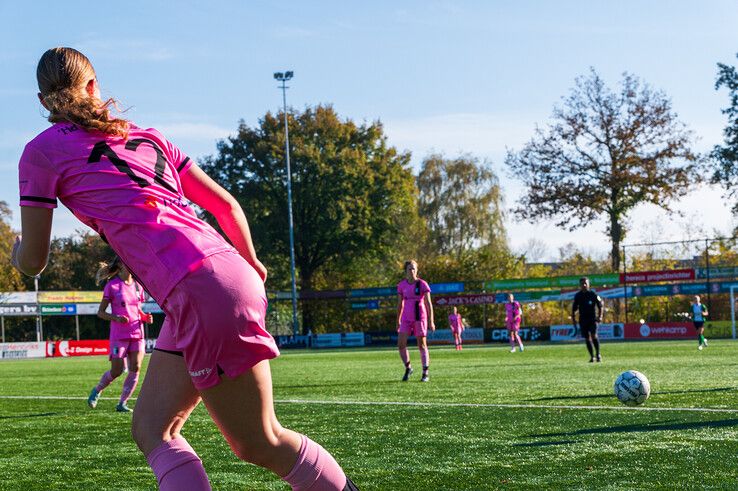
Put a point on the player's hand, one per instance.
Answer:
(433, 326)
(149, 319)
(122, 319)
(14, 254)
(260, 269)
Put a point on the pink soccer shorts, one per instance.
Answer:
(215, 318)
(119, 348)
(414, 328)
(513, 326)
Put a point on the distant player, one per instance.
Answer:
(456, 323)
(414, 311)
(124, 296)
(513, 319)
(586, 302)
(699, 312)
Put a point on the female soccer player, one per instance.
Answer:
(132, 186)
(513, 318)
(699, 312)
(457, 327)
(414, 309)
(124, 296)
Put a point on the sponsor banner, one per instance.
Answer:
(300, 341)
(381, 338)
(353, 339)
(18, 297)
(90, 347)
(446, 287)
(332, 340)
(313, 295)
(15, 351)
(88, 308)
(151, 308)
(720, 272)
(605, 331)
(471, 335)
(69, 297)
(18, 310)
(548, 282)
(373, 292)
(530, 333)
(67, 309)
(150, 345)
(656, 276)
(477, 299)
(369, 305)
(660, 330)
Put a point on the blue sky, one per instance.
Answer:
(473, 76)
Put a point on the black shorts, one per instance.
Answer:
(587, 327)
(699, 324)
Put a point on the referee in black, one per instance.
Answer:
(586, 302)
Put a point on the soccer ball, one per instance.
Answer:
(632, 388)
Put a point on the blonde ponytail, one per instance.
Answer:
(61, 75)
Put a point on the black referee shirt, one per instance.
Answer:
(585, 302)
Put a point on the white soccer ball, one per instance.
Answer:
(632, 388)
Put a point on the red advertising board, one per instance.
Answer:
(656, 276)
(478, 299)
(78, 348)
(659, 330)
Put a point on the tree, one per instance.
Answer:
(10, 278)
(461, 202)
(605, 153)
(725, 157)
(352, 193)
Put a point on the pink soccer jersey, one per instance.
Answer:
(125, 299)
(129, 192)
(454, 320)
(512, 311)
(412, 294)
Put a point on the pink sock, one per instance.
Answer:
(129, 385)
(405, 356)
(177, 467)
(424, 357)
(315, 470)
(512, 342)
(104, 381)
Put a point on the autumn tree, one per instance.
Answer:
(461, 202)
(725, 156)
(604, 153)
(10, 278)
(353, 194)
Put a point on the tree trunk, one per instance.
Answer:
(616, 237)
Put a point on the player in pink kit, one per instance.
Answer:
(513, 318)
(414, 310)
(132, 186)
(456, 324)
(124, 296)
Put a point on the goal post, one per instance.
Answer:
(732, 307)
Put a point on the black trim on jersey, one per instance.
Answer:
(178, 353)
(181, 166)
(39, 199)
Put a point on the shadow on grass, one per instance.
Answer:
(661, 392)
(669, 425)
(545, 444)
(24, 416)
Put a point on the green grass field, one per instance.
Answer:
(489, 419)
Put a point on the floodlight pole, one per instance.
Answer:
(283, 78)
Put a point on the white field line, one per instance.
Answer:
(433, 404)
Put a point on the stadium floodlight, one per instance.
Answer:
(284, 77)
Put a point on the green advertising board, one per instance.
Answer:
(551, 282)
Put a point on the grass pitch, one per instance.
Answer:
(489, 419)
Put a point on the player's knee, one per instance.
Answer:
(260, 450)
(116, 372)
